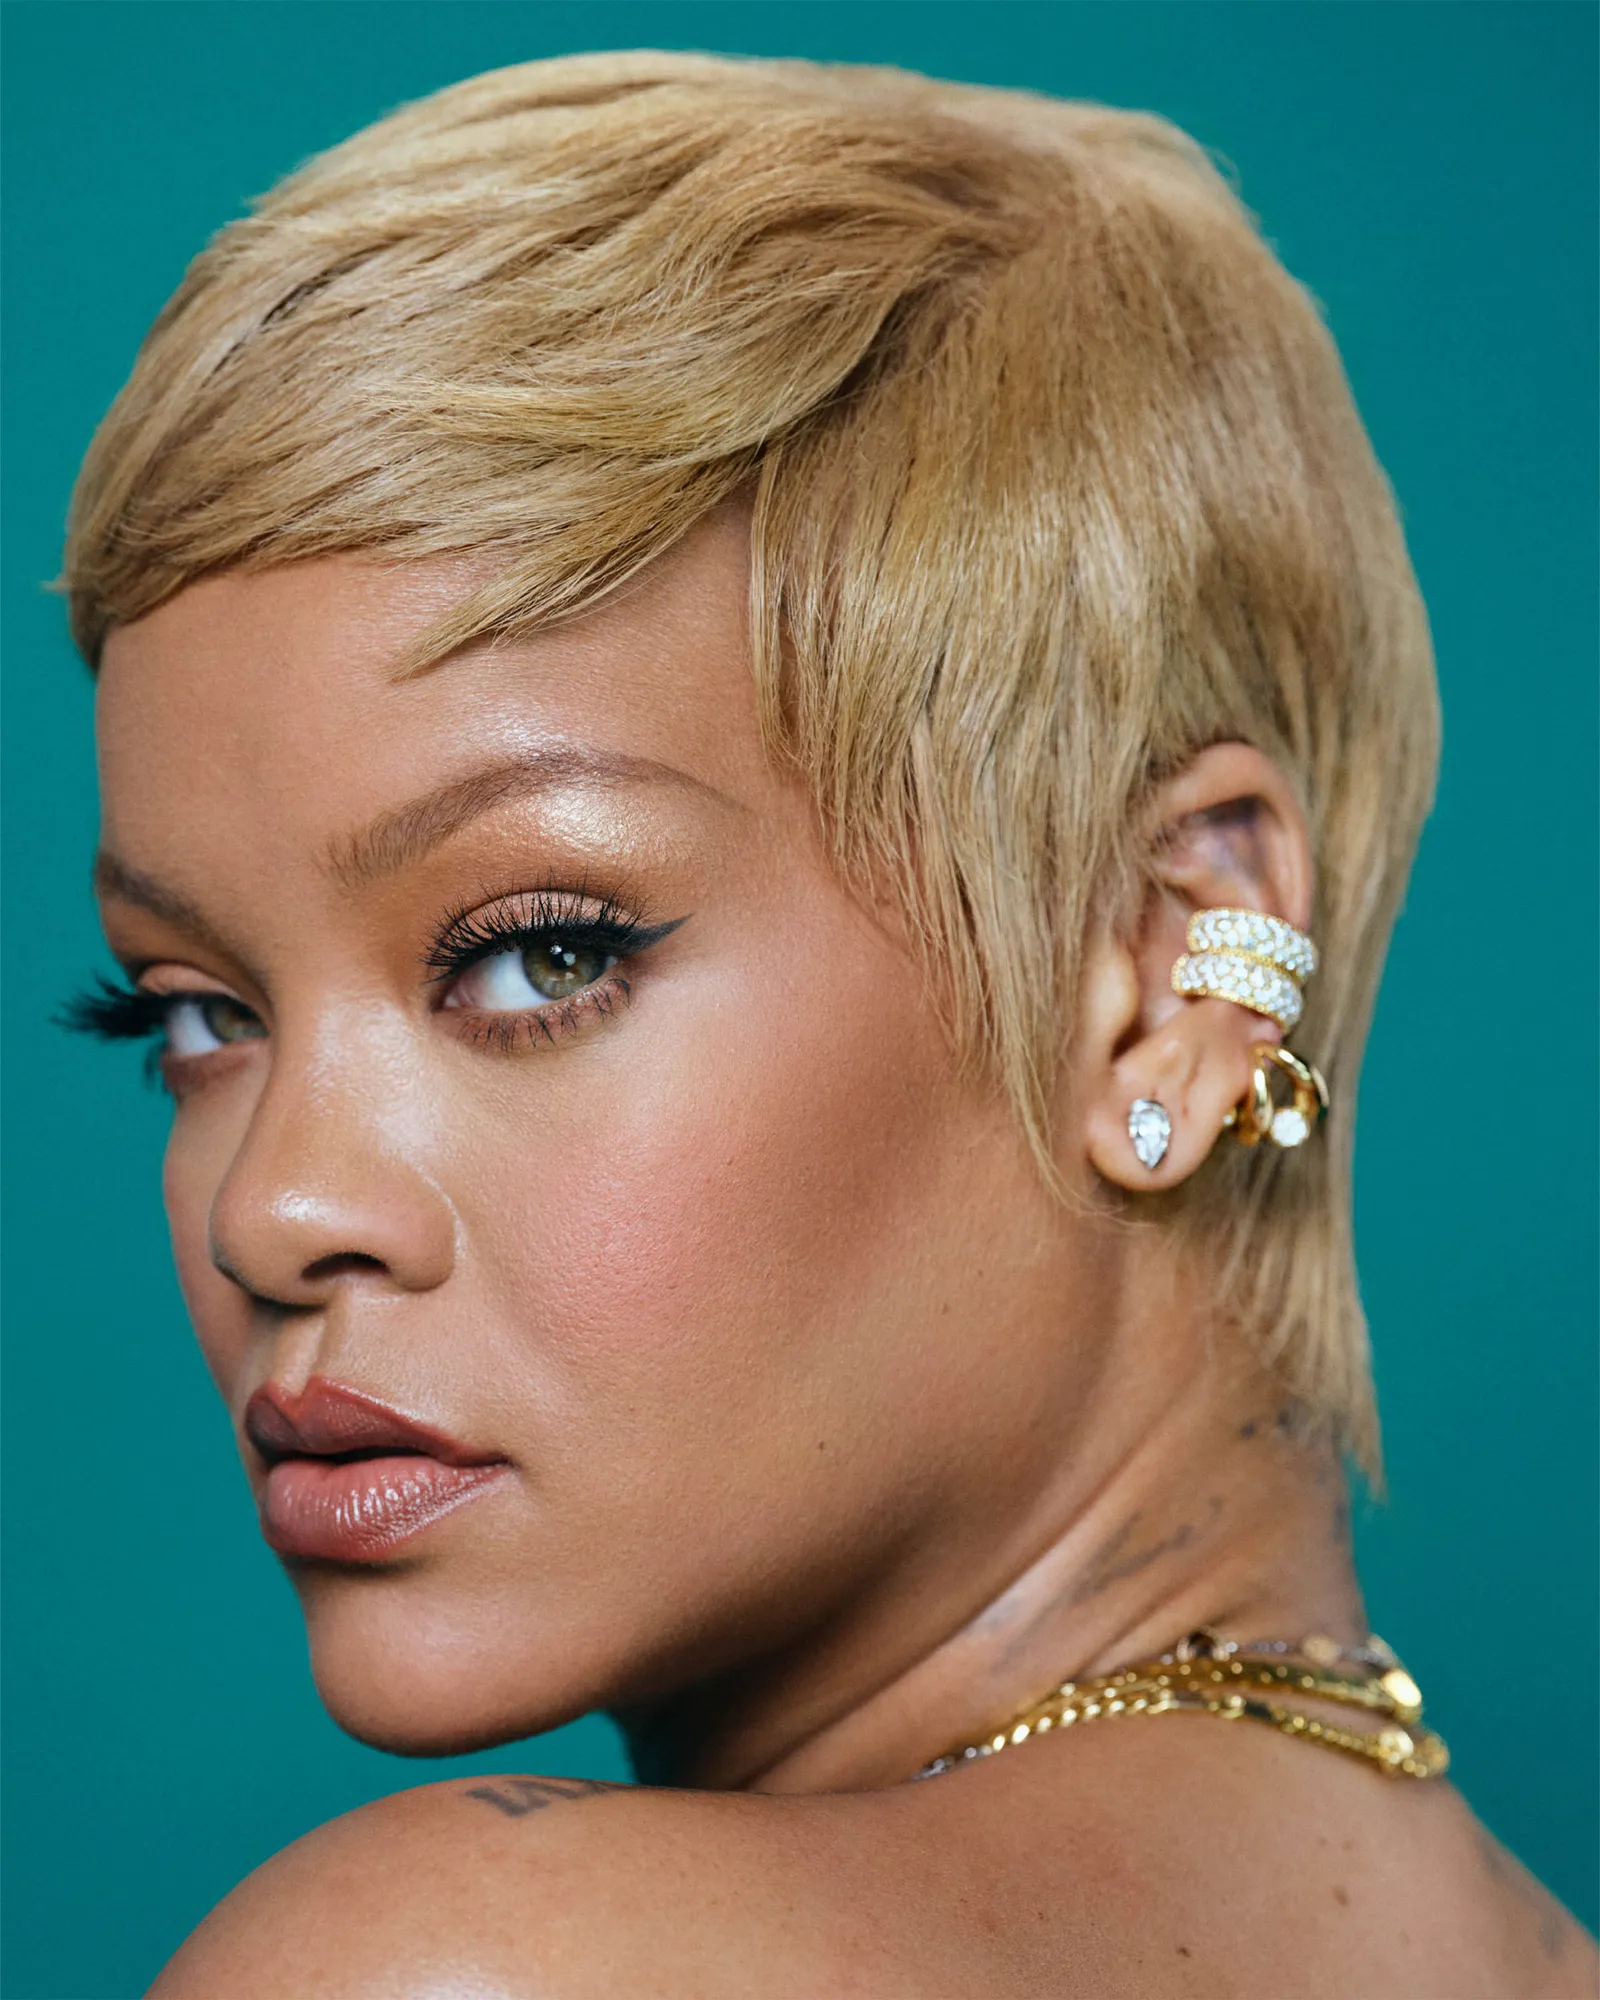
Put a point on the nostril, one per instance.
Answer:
(341, 1264)
(267, 1301)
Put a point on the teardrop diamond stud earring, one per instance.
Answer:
(1150, 1129)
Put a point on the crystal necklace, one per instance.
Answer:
(1265, 1681)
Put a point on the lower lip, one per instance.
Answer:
(362, 1511)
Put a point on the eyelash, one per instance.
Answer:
(115, 1013)
(472, 934)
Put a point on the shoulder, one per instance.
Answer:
(994, 1883)
(1124, 1865)
(516, 1887)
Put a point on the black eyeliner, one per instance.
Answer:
(467, 937)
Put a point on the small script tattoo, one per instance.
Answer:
(517, 1797)
(1121, 1557)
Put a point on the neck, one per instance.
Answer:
(1215, 1509)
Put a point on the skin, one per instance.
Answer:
(832, 1436)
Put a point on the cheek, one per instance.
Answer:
(740, 1227)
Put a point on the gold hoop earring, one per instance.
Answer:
(1259, 1116)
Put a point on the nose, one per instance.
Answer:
(323, 1190)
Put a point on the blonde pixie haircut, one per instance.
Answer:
(1055, 474)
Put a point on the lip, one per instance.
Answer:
(349, 1479)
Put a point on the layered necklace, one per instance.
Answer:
(1265, 1681)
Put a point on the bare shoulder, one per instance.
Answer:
(518, 1886)
(1123, 1867)
(1196, 1857)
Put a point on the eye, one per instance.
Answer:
(197, 1024)
(539, 968)
(175, 1024)
(542, 955)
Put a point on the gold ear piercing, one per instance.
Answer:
(1259, 1116)
(1259, 963)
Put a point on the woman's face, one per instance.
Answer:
(610, 1275)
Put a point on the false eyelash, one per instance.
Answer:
(468, 936)
(114, 1013)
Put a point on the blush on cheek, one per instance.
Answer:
(728, 1204)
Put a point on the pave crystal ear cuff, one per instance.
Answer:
(1259, 963)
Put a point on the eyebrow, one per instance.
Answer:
(115, 878)
(403, 835)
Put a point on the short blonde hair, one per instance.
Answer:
(1055, 473)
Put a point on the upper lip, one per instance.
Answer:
(328, 1420)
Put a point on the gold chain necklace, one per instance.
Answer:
(1213, 1676)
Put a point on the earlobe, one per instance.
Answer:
(1163, 1105)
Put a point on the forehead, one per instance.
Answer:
(276, 695)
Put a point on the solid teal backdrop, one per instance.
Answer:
(1429, 171)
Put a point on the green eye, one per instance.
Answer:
(228, 1020)
(557, 969)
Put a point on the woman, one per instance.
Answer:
(729, 696)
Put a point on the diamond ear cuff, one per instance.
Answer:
(1260, 963)
(1257, 961)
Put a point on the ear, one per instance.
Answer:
(1225, 831)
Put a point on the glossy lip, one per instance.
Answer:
(349, 1479)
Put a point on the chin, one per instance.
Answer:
(405, 1672)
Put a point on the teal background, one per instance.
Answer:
(1430, 171)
